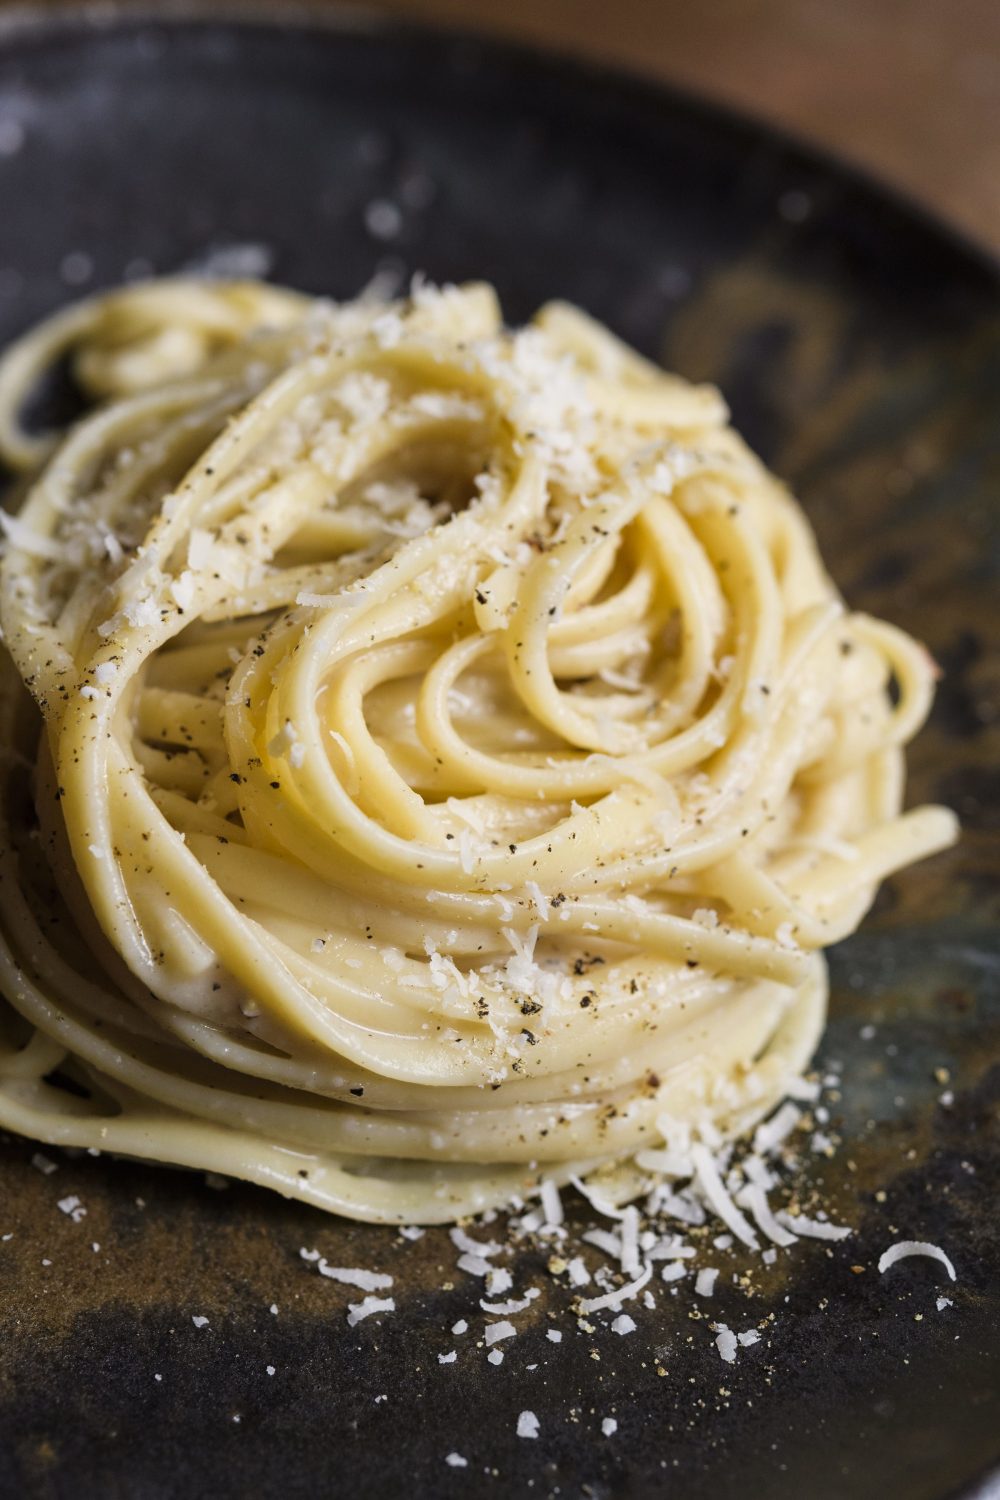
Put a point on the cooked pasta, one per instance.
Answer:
(435, 756)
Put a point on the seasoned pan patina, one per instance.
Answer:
(859, 346)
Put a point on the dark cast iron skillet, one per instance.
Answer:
(859, 345)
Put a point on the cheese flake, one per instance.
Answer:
(527, 1425)
(904, 1248)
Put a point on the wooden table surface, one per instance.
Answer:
(908, 88)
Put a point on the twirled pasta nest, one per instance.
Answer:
(453, 755)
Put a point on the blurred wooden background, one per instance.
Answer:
(909, 88)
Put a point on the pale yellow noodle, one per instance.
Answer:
(433, 753)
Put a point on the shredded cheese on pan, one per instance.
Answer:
(904, 1248)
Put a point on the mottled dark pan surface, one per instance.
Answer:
(860, 348)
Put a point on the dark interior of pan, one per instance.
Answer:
(859, 346)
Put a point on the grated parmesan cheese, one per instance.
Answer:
(753, 1197)
(630, 1262)
(726, 1342)
(604, 1240)
(358, 1311)
(772, 1132)
(474, 1265)
(365, 1281)
(712, 1186)
(462, 1241)
(498, 1279)
(183, 590)
(26, 539)
(904, 1248)
(516, 1305)
(497, 1331)
(527, 1425)
(817, 1229)
(551, 1203)
(578, 1273)
(593, 1196)
(537, 898)
(620, 1295)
